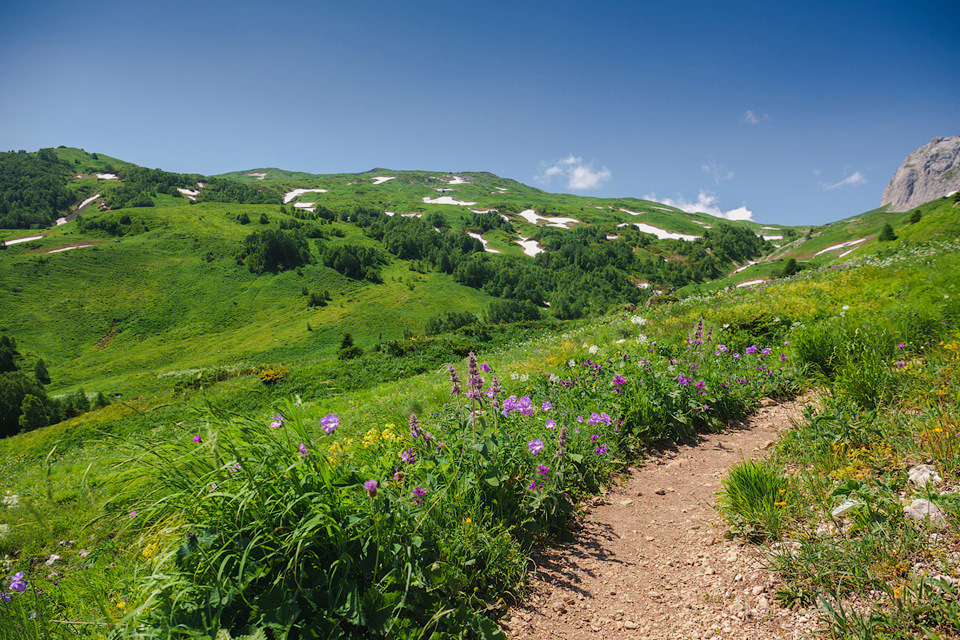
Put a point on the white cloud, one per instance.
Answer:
(751, 117)
(850, 181)
(706, 203)
(717, 171)
(579, 176)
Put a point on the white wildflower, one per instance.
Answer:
(514, 375)
(638, 320)
(593, 349)
(12, 500)
(4, 531)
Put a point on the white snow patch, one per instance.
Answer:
(841, 246)
(477, 236)
(501, 189)
(411, 215)
(258, 176)
(530, 247)
(601, 208)
(61, 221)
(533, 217)
(457, 180)
(190, 193)
(107, 176)
(79, 246)
(643, 285)
(88, 201)
(750, 283)
(201, 185)
(444, 190)
(19, 240)
(612, 237)
(663, 233)
(309, 206)
(485, 211)
(746, 266)
(846, 252)
(447, 200)
(633, 213)
(772, 237)
(382, 179)
(296, 193)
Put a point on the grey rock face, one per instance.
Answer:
(928, 173)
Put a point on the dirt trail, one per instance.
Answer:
(650, 560)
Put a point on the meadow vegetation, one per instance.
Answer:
(340, 423)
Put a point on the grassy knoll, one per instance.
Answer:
(242, 496)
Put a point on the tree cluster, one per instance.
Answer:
(32, 189)
(273, 250)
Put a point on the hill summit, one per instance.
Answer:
(930, 172)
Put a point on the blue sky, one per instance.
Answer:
(792, 113)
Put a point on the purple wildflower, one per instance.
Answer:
(197, 438)
(525, 406)
(900, 345)
(303, 450)
(133, 514)
(550, 423)
(579, 418)
(751, 350)
(783, 357)
(415, 430)
(533, 486)
(595, 438)
(543, 469)
(4, 596)
(277, 421)
(901, 364)
(722, 348)
(546, 406)
(454, 379)
(408, 456)
(485, 367)
(701, 385)
(474, 381)
(535, 446)
(370, 486)
(494, 387)
(765, 352)
(736, 356)
(17, 583)
(418, 493)
(601, 450)
(330, 422)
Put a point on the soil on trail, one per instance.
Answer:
(649, 559)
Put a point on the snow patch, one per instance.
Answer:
(258, 176)
(533, 217)
(486, 211)
(447, 200)
(309, 206)
(88, 201)
(107, 176)
(19, 240)
(530, 247)
(746, 266)
(201, 185)
(643, 285)
(477, 236)
(190, 193)
(750, 283)
(612, 237)
(661, 233)
(296, 193)
(382, 179)
(772, 237)
(841, 246)
(457, 180)
(633, 213)
(79, 246)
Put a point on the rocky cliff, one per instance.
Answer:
(928, 173)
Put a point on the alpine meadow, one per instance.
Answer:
(269, 404)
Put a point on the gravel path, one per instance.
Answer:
(650, 560)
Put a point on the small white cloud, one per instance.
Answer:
(751, 117)
(717, 171)
(850, 181)
(579, 176)
(706, 203)
(817, 172)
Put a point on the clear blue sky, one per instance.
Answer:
(798, 113)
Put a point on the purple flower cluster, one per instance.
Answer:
(17, 583)
(597, 418)
(418, 494)
(535, 446)
(277, 421)
(330, 422)
(523, 405)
